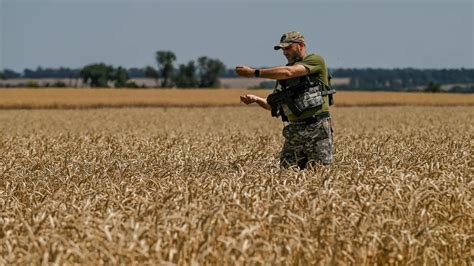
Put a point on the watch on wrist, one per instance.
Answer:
(257, 73)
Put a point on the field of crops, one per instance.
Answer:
(98, 98)
(202, 185)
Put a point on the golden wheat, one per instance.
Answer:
(202, 185)
(95, 98)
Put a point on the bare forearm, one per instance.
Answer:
(250, 98)
(263, 103)
(278, 73)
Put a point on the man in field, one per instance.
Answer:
(301, 97)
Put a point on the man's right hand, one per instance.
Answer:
(248, 98)
(245, 71)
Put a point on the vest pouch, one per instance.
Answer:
(310, 99)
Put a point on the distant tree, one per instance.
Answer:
(402, 79)
(136, 72)
(209, 71)
(230, 73)
(97, 75)
(1, 75)
(164, 60)
(120, 77)
(186, 76)
(61, 72)
(150, 72)
(10, 74)
(28, 73)
(433, 87)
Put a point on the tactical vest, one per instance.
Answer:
(307, 94)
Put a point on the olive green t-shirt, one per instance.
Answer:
(317, 70)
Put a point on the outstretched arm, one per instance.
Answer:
(278, 73)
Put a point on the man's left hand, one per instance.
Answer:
(245, 71)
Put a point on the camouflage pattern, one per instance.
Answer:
(309, 99)
(307, 144)
(288, 38)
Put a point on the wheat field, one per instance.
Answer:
(179, 186)
(100, 98)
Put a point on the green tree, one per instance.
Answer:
(10, 74)
(186, 76)
(97, 75)
(209, 71)
(1, 75)
(164, 60)
(150, 72)
(120, 77)
(433, 87)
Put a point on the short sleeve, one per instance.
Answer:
(313, 63)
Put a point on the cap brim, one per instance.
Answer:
(281, 45)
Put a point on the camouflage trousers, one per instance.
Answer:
(305, 144)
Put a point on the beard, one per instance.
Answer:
(294, 57)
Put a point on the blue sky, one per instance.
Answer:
(384, 33)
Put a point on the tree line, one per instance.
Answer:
(205, 73)
(401, 79)
(202, 73)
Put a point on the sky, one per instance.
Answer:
(347, 33)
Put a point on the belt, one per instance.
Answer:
(311, 120)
